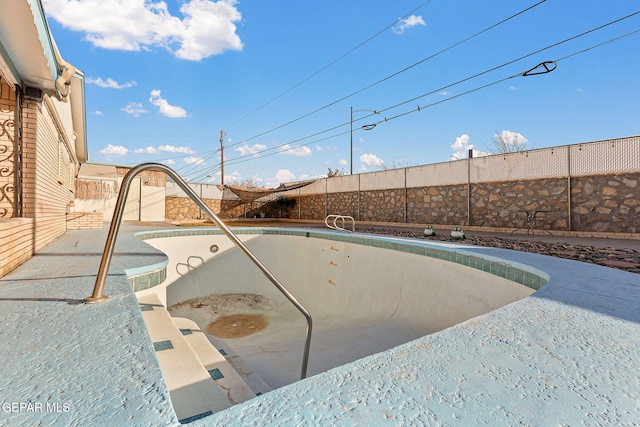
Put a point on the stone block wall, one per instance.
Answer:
(445, 204)
(345, 203)
(181, 208)
(498, 204)
(606, 203)
(603, 203)
(598, 204)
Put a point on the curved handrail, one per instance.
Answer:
(98, 296)
(335, 225)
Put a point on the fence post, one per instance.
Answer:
(569, 185)
(469, 187)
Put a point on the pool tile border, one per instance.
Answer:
(162, 345)
(531, 279)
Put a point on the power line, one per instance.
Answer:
(392, 75)
(335, 61)
(242, 159)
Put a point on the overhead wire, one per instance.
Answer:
(392, 75)
(335, 60)
(244, 141)
(242, 159)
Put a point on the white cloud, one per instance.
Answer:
(134, 108)
(512, 137)
(148, 150)
(234, 176)
(114, 151)
(507, 141)
(97, 113)
(169, 162)
(194, 160)
(173, 149)
(205, 28)
(461, 147)
(246, 150)
(166, 109)
(319, 148)
(342, 162)
(285, 175)
(109, 83)
(295, 151)
(407, 23)
(444, 93)
(371, 160)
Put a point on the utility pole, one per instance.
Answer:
(222, 134)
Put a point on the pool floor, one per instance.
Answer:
(275, 353)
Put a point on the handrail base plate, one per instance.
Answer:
(92, 300)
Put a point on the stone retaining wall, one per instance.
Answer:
(598, 204)
(606, 203)
(181, 208)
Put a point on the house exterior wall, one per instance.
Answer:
(48, 168)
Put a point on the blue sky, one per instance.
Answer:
(164, 78)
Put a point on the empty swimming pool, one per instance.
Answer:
(366, 293)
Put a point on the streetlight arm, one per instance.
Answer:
(365, 127)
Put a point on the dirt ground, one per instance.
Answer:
(237, 325)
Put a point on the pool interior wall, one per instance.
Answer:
(365, 294)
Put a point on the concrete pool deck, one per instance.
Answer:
(568, 354)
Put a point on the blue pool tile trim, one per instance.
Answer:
(162, 345)
(216, 374)
(146, 307)
(495, 266)
(186, 331)
(142, 278)
(222, 352)
(195, 417)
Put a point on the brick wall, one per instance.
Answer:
(48, 169)
(84, 220)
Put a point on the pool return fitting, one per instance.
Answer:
(110, 244)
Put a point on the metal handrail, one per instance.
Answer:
(335, 225)
(118, 213)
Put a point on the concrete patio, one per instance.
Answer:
(569, 354)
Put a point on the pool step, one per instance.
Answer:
(194, 391)
(214, 362)
(253, 380)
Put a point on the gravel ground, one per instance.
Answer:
(624, 259)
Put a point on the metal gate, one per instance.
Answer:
(134, 199)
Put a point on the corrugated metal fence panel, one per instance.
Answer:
(318, 187)
(606, 157)
(382, 180)
(174, 191)
(206, 191)
(341, 184)
(447, 173)
(526, 165)
(211, 191)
